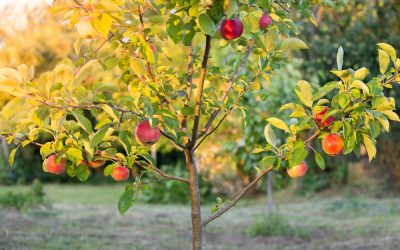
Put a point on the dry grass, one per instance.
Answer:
(72, 223)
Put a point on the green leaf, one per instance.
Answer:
(82, 172)
(278, 123)
(299, 153)
(326, 89)
(370, 146)
(98, 137)
(109, 169)
(339, 58)
(175, 27)
(270, 135)
(125, 201)
(46, 150)
(304, 92)
(230, 7)
(384, 61)
(293, 43)
(267, 161)
(74, 155)
(343, 101)
(206, 24)
(189, 32)
(83, 122)
(125, 141)
(319, 159)
(350, 143)
(389, 50)
(187, 111)
(11, 156)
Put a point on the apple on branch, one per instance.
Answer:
(298, 170)
(55, 164)
(120, 173)
(231, 29)
(332, 144)
(265, 21)
(145, 134)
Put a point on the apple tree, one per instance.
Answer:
(148, 70)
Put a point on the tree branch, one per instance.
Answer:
(200, 88)
(189, 83)
(141, 26)
(237, 197)
(177, 144)
(232, 81)
(167, 176)
(206, 134)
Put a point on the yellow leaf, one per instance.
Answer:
(370, 146)
(278, 123)
(391, 115)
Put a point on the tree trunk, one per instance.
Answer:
(197, 240)
(269, 194)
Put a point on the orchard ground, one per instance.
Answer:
(85, 217)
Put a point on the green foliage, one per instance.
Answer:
(23, 201)
(275, 225)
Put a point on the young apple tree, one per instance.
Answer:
(146, 70)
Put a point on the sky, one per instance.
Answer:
(19, 4)
(14, 12)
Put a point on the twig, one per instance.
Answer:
(189, 83)
(141, 27)
(237, 197)
(168, 176)
(206, 134)
(232, 81)
(177, 144)
(200, 88)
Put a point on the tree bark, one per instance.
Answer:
(197, 234)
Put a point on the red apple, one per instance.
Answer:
(332, 144)
(318, 116)
(145, 134)
(297, 171)
(265, 21)
(55, 165)
(231, 29)
(120, 173)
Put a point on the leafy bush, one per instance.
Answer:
(22, 201)
(275, 225)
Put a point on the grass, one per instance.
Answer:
(86, 217)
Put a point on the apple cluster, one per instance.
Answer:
(233, 28)
(145, 135)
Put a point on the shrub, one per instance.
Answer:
(22, 201)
